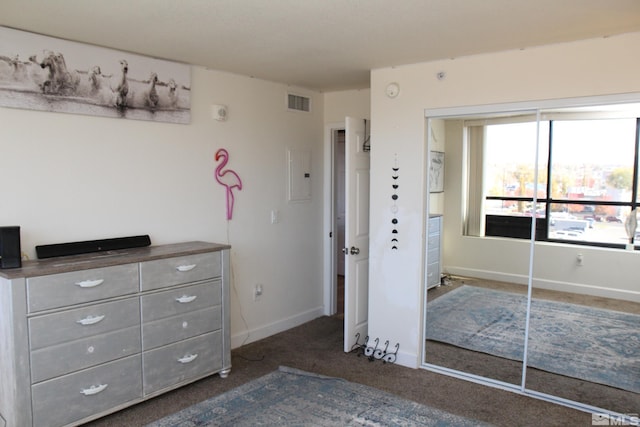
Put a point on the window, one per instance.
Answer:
(587, 175)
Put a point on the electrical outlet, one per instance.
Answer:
(257, 291)
(580, 260)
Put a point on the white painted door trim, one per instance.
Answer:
(328, 229)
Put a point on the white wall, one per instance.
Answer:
(70, 177)
(354, 103)
(585, 68)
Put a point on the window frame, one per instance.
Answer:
(542, 230)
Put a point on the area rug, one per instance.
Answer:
(290, 397)
(597, 345)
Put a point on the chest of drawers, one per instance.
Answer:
(84, 336)
(434, 245)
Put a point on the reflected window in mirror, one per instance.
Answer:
(587, 173)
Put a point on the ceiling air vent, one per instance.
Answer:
(298, 103)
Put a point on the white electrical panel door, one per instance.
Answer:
(299, 175)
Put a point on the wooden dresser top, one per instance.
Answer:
(65, 264)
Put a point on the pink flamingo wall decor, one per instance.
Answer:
(228, 179)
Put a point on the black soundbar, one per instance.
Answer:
(88, 246)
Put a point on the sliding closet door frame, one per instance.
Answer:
(532, 248)
(537, 106)
(471, 113)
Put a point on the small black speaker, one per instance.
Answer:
(10, 253)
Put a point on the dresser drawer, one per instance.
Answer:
(433, 274)
(177, 301)
(175, 363)
(51, 362)
(70, 325)
(174, 271)
(180, 327)
(433, 243)
(76, 287)
(433, 255)
(434, 224)
(76, 396)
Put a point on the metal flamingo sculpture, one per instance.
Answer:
(228, 179)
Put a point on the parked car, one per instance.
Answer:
(612, 218)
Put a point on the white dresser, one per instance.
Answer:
(434, 244)
(84, 336)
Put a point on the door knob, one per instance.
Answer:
(354, 250)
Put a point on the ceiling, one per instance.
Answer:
(324, 45)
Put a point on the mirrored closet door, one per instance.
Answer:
(584, 330)
(540, 253)
(475, 322)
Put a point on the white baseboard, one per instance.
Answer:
(246, 336)
(576, 288)
(597, 291)
(520, 279)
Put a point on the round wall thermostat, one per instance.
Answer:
(393, 89)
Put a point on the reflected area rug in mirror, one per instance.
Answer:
(587, 343)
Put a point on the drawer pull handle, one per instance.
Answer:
(90, 283)
(188, 358)
(94, 389)
(183, 268)
(90, 320)
(184, 299)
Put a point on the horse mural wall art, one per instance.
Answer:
(59, 81)
(64, 76)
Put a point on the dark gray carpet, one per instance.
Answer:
(317, 347)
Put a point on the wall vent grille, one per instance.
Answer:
(298, 103)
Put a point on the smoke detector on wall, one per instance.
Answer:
(219, 112)
(392, 90)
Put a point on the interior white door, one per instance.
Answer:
(356, 248)
(339, 200)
